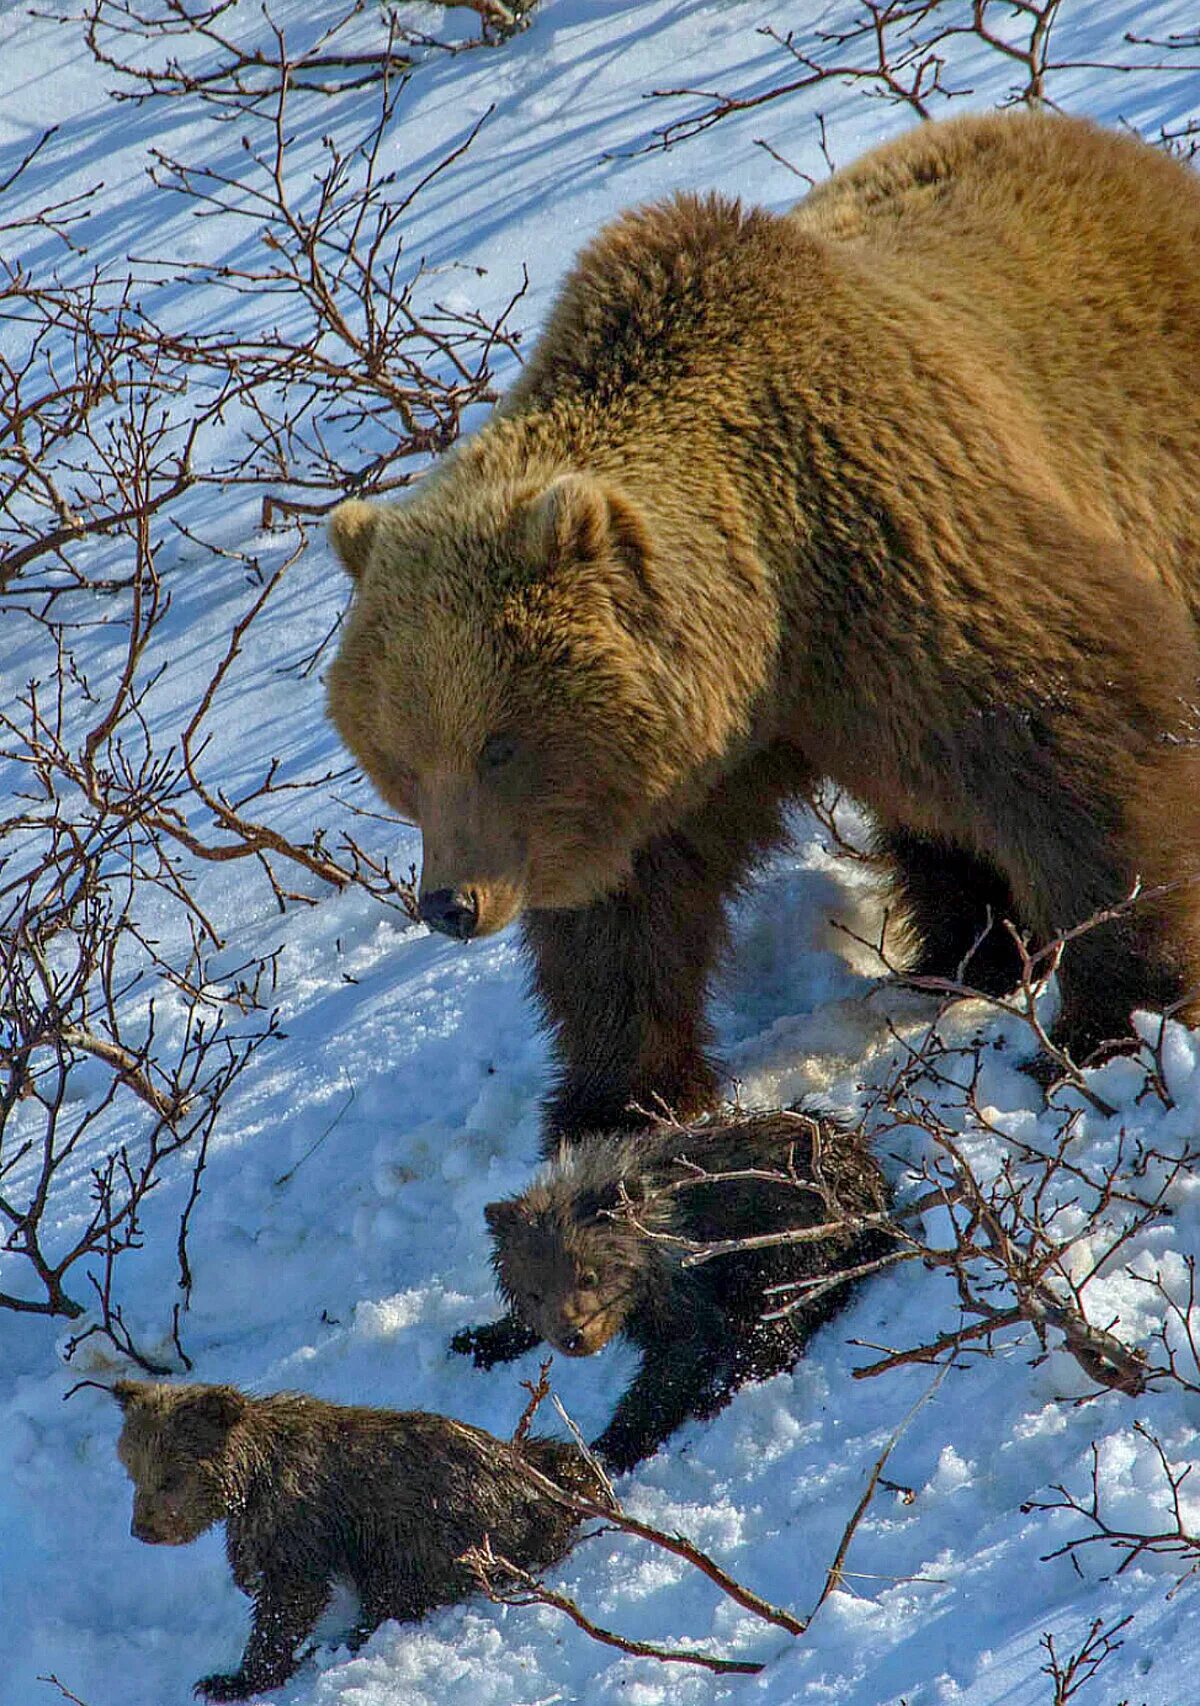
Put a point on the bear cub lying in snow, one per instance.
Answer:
(387, 1500)
(591, 1249)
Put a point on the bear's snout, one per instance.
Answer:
(450, 911)
(145, 1530)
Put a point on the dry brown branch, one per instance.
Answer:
(1176, 1539)
(337, 360)
(1178, 1334)
(147, 802)
(363, 370)
(506, 1584)
(1028, 1242)
(1023, 1243)
(66, 972)
(1076, 1670)
(62, 1689)
(177, 48)
(538, 1391)
(914, 54)
(1037, 964)
(825, 804)
(238, 58)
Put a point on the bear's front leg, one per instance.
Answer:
(285, 1610)
(494, 1342)
(691, 1378)
(622, 983)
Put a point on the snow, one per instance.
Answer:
(338, 1240)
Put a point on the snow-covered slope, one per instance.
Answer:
(338, 1239)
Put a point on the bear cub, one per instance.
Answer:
(386, 1500)
(590, 1250)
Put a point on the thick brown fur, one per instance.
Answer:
(586, 1252)
(387, 1500)
(902, 488)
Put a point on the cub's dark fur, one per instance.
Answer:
(576, 1267)
(387, 1500)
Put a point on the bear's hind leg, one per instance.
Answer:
(1150, 955)
(945, 897)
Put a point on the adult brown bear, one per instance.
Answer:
(902, 488)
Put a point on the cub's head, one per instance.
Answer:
(175, 1445)
(568, 1270)
(509, 679)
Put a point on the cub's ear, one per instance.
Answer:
(581, 520)
(130, 1393)
(207, 1416)
(504, 1217)
(352, 529)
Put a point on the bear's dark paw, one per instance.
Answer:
(495, 1341)
(227, 1685)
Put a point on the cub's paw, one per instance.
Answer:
(229, 1685)
(495, 1341)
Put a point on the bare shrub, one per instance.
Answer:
(918, 54)
(80, 1052)
(505, 1583)
(1177, 1539)
(110, 419)
(358, 351)
(1071, 1672)
(236, 58)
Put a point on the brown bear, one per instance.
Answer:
(593, 1248)
(902, 489)
(388, 1500)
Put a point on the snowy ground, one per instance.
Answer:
(403, 1090)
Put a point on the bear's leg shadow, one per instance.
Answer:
(622, 983)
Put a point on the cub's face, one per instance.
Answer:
(171, 1446)
(498, 681)
(572, 1283)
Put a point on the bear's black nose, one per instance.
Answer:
(450, 911)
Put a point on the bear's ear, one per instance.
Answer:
(504, 1217)
(208, 1415)
(579, 520)
(352, 529)
(130, 1393)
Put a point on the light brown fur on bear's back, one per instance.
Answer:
(1032, 233)
(902, 488)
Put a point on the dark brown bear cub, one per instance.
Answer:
(587, 1252)
(387, 1500)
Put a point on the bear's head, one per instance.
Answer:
(569, 1271)
(515, 675)
(175, 1445)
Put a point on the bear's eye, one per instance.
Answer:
(589, 1279)
(534, 1299)
(498, 750)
